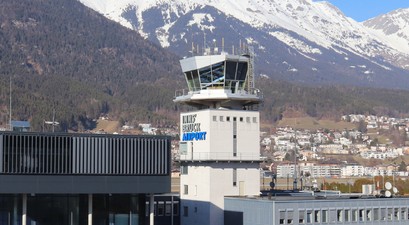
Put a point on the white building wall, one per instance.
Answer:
(211, 161)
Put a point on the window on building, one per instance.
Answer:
(339, 215)
(354, 215)
(161, 208)
(221, 119)
(369, 215)
(376, 215)
(332, 216)
(176, 208)
(168, 208)
(185, 189)
(347, 215)
(324, 216)
(383, 214)
(254, 119)
(184, 170)
(361, 215)
(214, 118)
(228, 118)
(390, 214)
(234, 177)
(290, 217)
(301, 216)
(282, 217)
(403, 214)
(309, 216)
(317, 216)
(185, 211)
(183, 148)
(396, 214)
(234, 119)
(241, 119)
(248, 120)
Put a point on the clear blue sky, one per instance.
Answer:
(361, 10)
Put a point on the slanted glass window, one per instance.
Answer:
(241, 71)
(196, 82)
(212, 76)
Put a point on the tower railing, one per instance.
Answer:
(218, 156)
(253, 91)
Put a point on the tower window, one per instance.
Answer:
(221, 118)
(234, 177)
(184, 170)
(214, 118)
(248, 119)
(185, 189)
(228, 119)
(254, 119)
(241, 119)
(234, 119)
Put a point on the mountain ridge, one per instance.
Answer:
(316, 38)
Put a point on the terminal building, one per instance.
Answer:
(80, 179)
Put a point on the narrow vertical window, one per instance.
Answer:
(185, 189)
(234, 177)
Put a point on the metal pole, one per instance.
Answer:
(171, 211)
(89, 209)
(151, 210)
(24, 215)
(10, 127)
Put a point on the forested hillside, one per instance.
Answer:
(61, 55)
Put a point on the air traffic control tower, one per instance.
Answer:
(219, 140)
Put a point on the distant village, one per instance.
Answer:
(347, 153)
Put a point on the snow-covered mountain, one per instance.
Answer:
(393, 29)
(299, 40)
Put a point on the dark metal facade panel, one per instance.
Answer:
(71, 184)
(54, 154)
